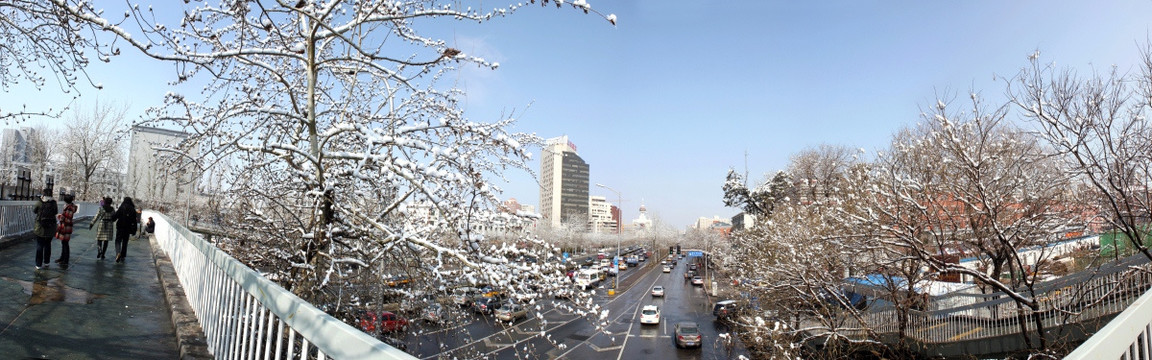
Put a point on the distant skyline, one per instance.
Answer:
(664, 103)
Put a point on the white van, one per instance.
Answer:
(586, 278)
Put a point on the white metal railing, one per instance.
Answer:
(246, 316)
(1125, 337)
(1070, 300)
(17, 219)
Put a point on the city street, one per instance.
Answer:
(558, 333)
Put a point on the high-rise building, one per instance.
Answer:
(600, 218)
(152, 175)
(14, 145)
(563, 184)
(618, 218)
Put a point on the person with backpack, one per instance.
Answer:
(105, 221)
(126, 220)
(44, 228)
(64, 230)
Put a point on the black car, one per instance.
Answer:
(485, 304)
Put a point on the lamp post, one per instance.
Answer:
(619, 202)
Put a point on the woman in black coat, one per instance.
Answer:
(126, 220)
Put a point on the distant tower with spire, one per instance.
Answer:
(642, 223)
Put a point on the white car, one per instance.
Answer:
(658, 291)
(667, 269)
(650, 314)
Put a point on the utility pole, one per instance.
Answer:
(619, 233)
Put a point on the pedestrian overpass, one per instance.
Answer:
(1096, 307)
(235, 313)
(239, 313)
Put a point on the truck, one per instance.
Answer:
(586, 279)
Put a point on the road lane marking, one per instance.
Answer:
(651, 336)
(617, 297)
(501, 331)
(633, 322)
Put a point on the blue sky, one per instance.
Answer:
(662, 104)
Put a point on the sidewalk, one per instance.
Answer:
(96, 309)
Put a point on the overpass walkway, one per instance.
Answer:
(960, 325)
(94, 309)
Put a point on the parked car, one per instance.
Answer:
(658, 291)
(485, 304)
(696, 280)
(463, 296)
(384, 322)
(490, 291)
(723, 309)
(667, 268)
(650, 314)
(434, 313)
(398, 280)
(687, 334)
(511, 312)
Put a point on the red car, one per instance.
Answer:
(385, 321)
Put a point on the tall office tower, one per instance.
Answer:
(563, 184)
(152, 177)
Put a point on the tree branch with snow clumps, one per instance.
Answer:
(347, 160)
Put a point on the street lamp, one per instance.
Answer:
(619, 202)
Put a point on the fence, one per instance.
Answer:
(17, 219)
(1071, 300)
(1132, 328)
(246, 316)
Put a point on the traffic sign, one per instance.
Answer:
(695, 253)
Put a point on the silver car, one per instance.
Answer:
(463, 296)
(434, 313)
(511, 312)
(687, 334)
(657, 291)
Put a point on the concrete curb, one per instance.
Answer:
(189, 335)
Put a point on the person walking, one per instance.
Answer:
(105, 221)
(64, 230)
(126, 220)
(44, 228)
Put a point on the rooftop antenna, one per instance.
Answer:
(745, 167)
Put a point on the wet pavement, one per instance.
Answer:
(94, 309)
